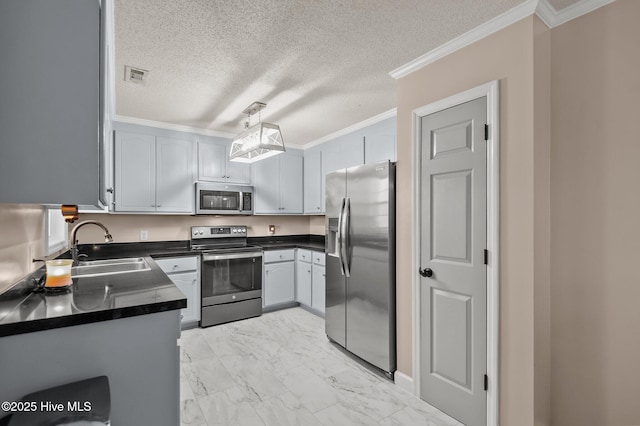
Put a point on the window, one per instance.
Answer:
(55, 231)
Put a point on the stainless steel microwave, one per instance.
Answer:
(222, 198)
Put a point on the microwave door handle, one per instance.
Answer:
(241, 203)
(340, 236)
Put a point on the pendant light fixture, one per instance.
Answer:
(258, 142)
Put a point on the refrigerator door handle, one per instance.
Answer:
(340, 236)
(345, 237)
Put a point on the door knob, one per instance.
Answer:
(426, 272)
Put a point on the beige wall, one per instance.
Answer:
(316, 225)
(595, 210)
(126, 228)
(542, 222)
(22, 239)
(506, 56)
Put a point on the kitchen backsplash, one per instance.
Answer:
(128, 227)
(22, 230)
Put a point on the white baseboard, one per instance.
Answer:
(405, 382)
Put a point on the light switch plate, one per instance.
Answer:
(144, 235)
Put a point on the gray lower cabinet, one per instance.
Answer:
(184, 272)
(50, 112)
(153, 174)
(303, 283)
(310, 279)
(318, 287)
(279, 278)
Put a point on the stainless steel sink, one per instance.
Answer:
(95, 268)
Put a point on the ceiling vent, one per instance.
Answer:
(135, 75)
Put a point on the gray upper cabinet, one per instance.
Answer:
(174, 176)
(214, 164)
(278, 185)
(380, 142)
(371, 144)
(313, 182)
(291, 183)
(135, 172)
(352, 151)
(50, 102)
(153, 174)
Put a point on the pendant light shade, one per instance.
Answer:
(258, 142)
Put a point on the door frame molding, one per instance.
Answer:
(491, 91)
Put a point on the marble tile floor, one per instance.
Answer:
(280, 369)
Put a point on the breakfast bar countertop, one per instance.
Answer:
(89, 299)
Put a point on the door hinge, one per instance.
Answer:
(486, 382)
(486, 256)
(486, 132)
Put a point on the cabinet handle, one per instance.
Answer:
(159, 205)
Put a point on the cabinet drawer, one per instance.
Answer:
(304, 255)
(318, 258)
(278, 255)
(178, 264)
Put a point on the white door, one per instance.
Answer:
(453, 328)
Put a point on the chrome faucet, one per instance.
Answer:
(74, 241)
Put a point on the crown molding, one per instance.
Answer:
(170, 126)
(478, 33)
(575, 11)
(362, 124)
(542, 8)
(546, 12)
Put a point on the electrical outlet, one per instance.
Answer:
(144, 235)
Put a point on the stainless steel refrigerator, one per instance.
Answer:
(360, 263)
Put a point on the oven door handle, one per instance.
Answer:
(222, 256)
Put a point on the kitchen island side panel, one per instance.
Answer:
(139, 355)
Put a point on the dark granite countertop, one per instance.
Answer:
(88, 300)
(279, 242)
(108, 297)
(158, 249)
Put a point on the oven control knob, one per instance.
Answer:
(233, 297)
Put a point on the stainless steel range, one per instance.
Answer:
(231, 287)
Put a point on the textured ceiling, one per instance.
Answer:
(319, 65)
